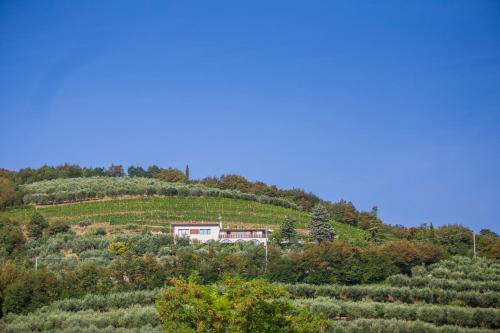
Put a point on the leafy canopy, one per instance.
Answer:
(234, 305)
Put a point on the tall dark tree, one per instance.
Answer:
(320, 227)
(432, 233)
(37, 225)
(287, 229)
(187, 172)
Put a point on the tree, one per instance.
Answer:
(37, 225)
(116, 171)
(11, 237)
(488, 232)
(375, 226)
(7, 192)
(345, 212)
(432, 233)
(138, 171)
(287, 229)
(187, 172)
(170, 175)
(233, 306)
(320, 226)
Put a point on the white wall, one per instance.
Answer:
(214, 232)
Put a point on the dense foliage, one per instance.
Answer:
(233, 305)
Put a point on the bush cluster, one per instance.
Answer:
(435, 314)
(399, 326)
(57, 320)
(397, 294)
(431, 282)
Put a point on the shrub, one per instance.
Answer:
(118, 248)
(37, 225)
(234, 306)
(57, 227)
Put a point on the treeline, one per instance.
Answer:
(342, 211)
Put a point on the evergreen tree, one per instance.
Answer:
(187, 172)
(432, 233)
(287, 229)
(320, 227)
(37, 225)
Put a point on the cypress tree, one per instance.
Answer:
(187, 172)
(432, 233)
(320, 227)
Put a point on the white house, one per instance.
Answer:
(204, 232)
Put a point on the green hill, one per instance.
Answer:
(151, 202)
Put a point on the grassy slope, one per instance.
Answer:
(162, 210)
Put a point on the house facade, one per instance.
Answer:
(204, 232)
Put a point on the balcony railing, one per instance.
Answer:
(253, 235)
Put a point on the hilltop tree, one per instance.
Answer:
(170, 175)
(37, 225)
(287, 229)
(320, 227)
(136, 171)
(187, 172)
(116, 171)
(375, 226)
(488, 232)
(345, 212)
(432, 233)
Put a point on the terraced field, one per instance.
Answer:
(384, 308)
(163, 210)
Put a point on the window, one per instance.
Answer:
(194, 231)
(205, 231)
(183, 232)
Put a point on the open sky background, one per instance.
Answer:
(388, 103)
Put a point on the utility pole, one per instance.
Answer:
(474, 241)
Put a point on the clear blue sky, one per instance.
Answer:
(388, 103)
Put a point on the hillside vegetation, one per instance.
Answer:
(347, 308)
(79, 189)
(161, 211)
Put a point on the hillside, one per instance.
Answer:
(430, 305)
(145, 201)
